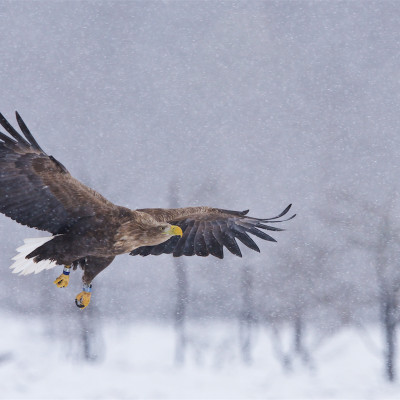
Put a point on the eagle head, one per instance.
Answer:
(160, 233)
(169, 230)
(143, 231)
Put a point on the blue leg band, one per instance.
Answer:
(66, 270)
(87, 288)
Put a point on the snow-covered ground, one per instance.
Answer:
(138, 363)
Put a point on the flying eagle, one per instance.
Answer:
(89, 231)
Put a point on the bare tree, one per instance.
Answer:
(300, 289)
(247, 317)
(378, 236)
(90, 335)
(181, 291)
(180, 310)
(388, 280)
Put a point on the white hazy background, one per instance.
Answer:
(233, 104)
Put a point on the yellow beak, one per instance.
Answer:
(175, 231)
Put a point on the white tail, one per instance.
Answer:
(25, 266)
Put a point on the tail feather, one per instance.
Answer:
(25, 266)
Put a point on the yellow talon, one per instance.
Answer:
(62, 281)
(82, 300)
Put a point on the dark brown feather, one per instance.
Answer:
(200, 246)
(37, 190)
(208, 230)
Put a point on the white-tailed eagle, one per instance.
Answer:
(89, 231)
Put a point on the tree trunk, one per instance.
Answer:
(90, 329)
(298, 335)
(299, 347)
(389, 326)
(246, 318)
(180, 311)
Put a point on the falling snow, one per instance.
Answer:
(237, 105)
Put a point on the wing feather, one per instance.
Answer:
(228, 239)
(247, 240)
(208, 230)
(213, 246)
(19, 139)
(180, 247)
(188, 248)
(261, 234)
(37, 190)
(27, 133)
(199, 241)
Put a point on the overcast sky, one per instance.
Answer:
(243, 104)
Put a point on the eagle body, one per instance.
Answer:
(90, 231)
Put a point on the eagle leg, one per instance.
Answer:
(82, 300)
(63, 280)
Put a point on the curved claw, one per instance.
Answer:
(82, 300)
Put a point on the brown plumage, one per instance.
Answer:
(88, 230)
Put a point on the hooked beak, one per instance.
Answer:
(175, 231)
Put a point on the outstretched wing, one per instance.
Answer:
(37, 190)
(207, 230)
